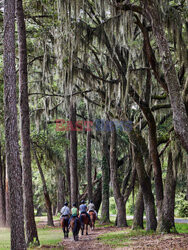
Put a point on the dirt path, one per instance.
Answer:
(87, 242)
(147, 242)
(153, 242)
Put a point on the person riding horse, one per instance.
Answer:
(83, 210)
(65, 213)
(74, 212)
(92, 213)
(91, 208)
(74, 221)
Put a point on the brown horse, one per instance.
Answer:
(64, 226)
(84, 221)
(93, 218)
(75, 225)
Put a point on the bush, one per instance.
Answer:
(112, 206)
(181, 205)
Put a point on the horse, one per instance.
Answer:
(64, 226)
(75, 226)
(84, 221)
(93, 218)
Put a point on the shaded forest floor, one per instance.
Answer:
(111, 237)
(103, 237)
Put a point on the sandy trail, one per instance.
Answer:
(88, 241)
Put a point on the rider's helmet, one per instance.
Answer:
(74, 204)
(91, 201)
(66, 204)
(83, 202)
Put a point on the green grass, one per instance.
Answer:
(47, 236)
(182, 228)
(112, 223)
(123, 238)
(52, 236)
(44, 218)
(4, 238)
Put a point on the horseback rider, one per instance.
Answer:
(65, 211)
(91, 208)
(74, 212)
(83, 210)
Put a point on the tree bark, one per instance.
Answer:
(105, 179)
(67, 152)
(73, 155)
(121, 213)
(180, 118)
(11, 130)
(145, 183)
(30, 225)
(169, 196)
(97, 197)
(89, 166)
(60, 192)
(45, 191)
(187, 176)
(139, 211)
(153, 150)
(7, 198)
(2, 193)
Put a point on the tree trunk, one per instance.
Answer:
(30, 225)
(121, 215)
(45, 191)
(73, 155)
(68, 170)
(105, 179)
(2, 193)
(187, 176)
(97, 197)
(11, 130)
(7, 198)
(145, 183)
(152, 149)
(180, 119)
(60, 192)
(169, 196)
(139, 211)
(89, 166)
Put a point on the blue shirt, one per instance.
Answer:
(83, 208)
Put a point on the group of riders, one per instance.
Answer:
(74, 212)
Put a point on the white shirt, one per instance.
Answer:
(91, 206)
(65, 210)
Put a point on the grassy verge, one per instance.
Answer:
(122, 238)
(4, 238)
(52, 236)
(182, 228)
(111, 223)
(47, 235)
(125, 237)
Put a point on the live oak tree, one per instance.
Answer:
(120, 203)
(89, 161)
(180, 118)
(2, 191)
(30, 225)
(48, 203)
(11, 130)
(105, 167)
(73, 154)
(108, 54)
